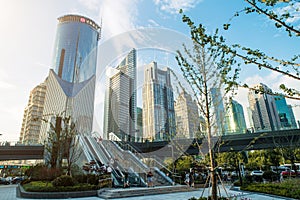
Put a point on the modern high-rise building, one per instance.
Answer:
(219, 121)
(158, 104)
(285, 113)
(139, 124)
(118, 118)
(263, 109)
(120, 101)
(71, 82)
(235, 119)
(187, 116)
(33, 113)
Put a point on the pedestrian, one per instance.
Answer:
(126, 180)
(191, 179)
(150, 179)
(187, 179)
(108, 169)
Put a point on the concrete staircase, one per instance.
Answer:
(134, 192)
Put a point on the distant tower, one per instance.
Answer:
(219, 111)
(235, 118)
(33, 113)
(263, 109)
(139, 124)
(158, 104)
(120, 101)
(71, 83)
(285, 113)
(118, 118)
(187, 116)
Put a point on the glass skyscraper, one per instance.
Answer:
(285, 113)
(263, 109)
(187, 116)
(158, 104)
(71, 82)
(235, 119)
(219, 112)
(75, 48)
(120, 101)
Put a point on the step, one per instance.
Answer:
(132, 192)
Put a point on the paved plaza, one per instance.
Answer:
(8, 192)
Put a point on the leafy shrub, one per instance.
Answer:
(63, 180)
(25, 181)
(270, 176)
(289, 188)
(42, 173)
(92, 179)
(41, 186)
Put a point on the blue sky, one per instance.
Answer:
(28, 32)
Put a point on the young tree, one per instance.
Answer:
(207, 69)
(283, 14)
(62, 143)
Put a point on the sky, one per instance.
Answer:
(28, 31)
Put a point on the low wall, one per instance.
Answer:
(21, 193)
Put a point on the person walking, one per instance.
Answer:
(150, 179)
(187, 179)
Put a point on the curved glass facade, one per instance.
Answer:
(75, 49)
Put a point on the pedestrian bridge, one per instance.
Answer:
(21, 152)
(227, 143)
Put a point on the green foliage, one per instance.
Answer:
(92, 179)
(41, 186)
(63, 180)
(270, 176)
(289, 188)
(230, 55)
(184, 163)
(42, 173)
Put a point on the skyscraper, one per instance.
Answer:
(118, 118)
(187, 116)
(285, 113)
(120, 101)
(235, 118)
(219, 111)
(71, 82)
(158, 104)
(263, 109)
(75, 48)
(139, 124)
(33, 113)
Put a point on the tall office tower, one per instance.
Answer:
(263, 109)
(285, 113)
(71, 85)
(235, 118)
(32, 118)
(118, 117)
(120, 101)
(187, 116)
(158, 104)
(250, 119)
(219, 112)
(139, 124)
(293, 119)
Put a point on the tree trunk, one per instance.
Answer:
(213, 176)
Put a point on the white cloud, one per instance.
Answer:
(117, 16)
(173, 6)
(6, 85)
(293, 10)
(153, 22)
